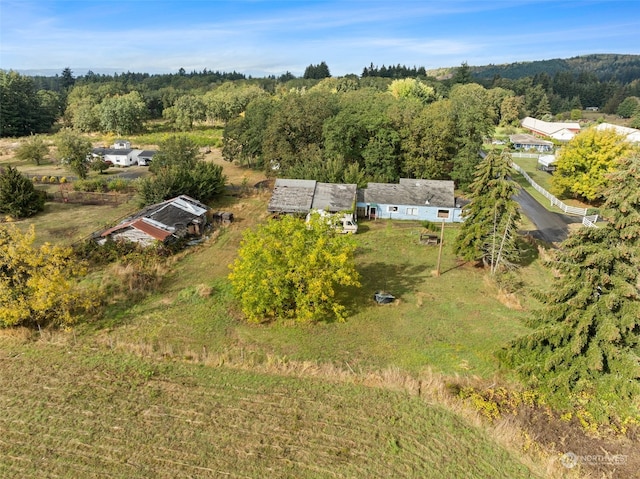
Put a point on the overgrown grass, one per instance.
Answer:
(66, 223)
(202, 136)
(73, 412)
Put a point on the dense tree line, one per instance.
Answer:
(365, 134)
(606, 67)
(24, 110)
(120, 103)
(393, 71)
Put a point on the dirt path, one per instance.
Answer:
(236, 175)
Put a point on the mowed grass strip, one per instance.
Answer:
(71, 412)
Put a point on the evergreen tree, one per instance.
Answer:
(18, 197)
(462, 74)
(585, 346)
(317, 72)
(489, 231)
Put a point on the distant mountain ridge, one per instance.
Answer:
(605, 66)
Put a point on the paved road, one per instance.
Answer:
(551, 227)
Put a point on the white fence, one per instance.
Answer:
(590, 221)
(517, 154)
(554, 201)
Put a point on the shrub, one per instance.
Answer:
(118, 184)
(37, 286)
(53, 179)
(94, 185)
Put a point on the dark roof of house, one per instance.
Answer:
(334, 197)
(112, 151)
(410, 192)
(147, 153)
(526, 139)
(292, 196)
(301, 196)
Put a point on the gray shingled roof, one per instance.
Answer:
(292, 196)
(411, 192)
(334, 197)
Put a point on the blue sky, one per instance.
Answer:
(265, 37)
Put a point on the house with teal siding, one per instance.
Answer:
(430, 200)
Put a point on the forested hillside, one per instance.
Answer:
(604, 67)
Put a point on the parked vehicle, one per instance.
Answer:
(344, 222)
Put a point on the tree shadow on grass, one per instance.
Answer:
(396, 279)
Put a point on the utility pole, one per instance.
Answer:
(440, 248)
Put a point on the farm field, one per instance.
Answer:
(73, 412)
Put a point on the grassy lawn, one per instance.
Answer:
(73, 412)
(453, 323)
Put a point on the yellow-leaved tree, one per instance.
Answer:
(583, 165)
(289, 269)
(37, 284)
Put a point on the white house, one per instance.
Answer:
(523, 141)
(121, 154)
(631, 134)
(562, 131)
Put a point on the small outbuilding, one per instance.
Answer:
(547, 162)
(165, 222)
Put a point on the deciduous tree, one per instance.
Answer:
(122, 114)
(629, 107)
(412, 88)
(74, 151)
(287, 269)
(186, 110)
(37, 284)
(179, 169)
(583, 164)
(32, 148)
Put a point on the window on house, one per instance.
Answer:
(412, 211)
(392, 209)
(443, 213)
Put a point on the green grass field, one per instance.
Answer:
(71, 412)
(453, 323)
